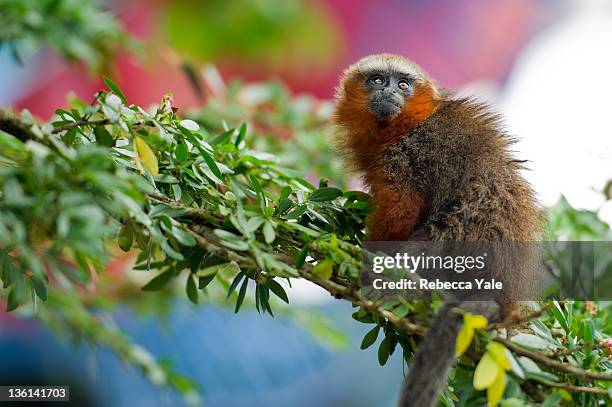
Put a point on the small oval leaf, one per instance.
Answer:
(147, 155)
(486, 372)
(370, 337)
(496, 390)
(325, 194)
(159, 281)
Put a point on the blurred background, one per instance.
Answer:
(545, 64)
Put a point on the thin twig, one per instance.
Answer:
(566, 352)
(519, 319)
(575, 389)
(585, 375)
(80, 122)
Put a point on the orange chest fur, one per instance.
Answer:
(396, 211)
(395, 214)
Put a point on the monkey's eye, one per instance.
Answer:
(403, 85)
(377, 80)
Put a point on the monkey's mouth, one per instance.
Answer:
(385, 107)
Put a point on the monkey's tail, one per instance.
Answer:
(434, 358)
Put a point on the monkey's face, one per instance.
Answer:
(382, 97)
(388, 92)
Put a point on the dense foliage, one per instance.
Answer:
(219, 206)
(77, 29)
(208, 205)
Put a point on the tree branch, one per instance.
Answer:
(13, 125)
(585, 375)
(206, 239)
(517, 318)
(566, 352)
(575, 389)
(80, 122)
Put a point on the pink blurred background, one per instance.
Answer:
(456, 41)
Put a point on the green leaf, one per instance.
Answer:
(514, 402)
(241, 134)
(221, 267)
(235, 283)
(205, 280)
(324, 269)
(192, 290)
(222, 138)
(177, 192)
(515, 365)
(264, 298)
(268, 232)
(17, 295)
(297, 212)
(237, 244)
(384, 351)
(541, 329)
(126, 238)
(159, 281)
(113, 86)
(283, 207)
(531, 341)
(357, 196)
(180, 152)
(190, 125)
(170, 251)
(300, 259)
(103, 137)
(40, 287)
(560, 316)
(370, 337)
(278, 290)
(543, 377)
(257, 298)
(529, 365)
(284, 193)
(63, 113)
(183, 237)
(211, 163)
(553, 400)
(588, 330)
(258, 189)
(325, 194)
(241, 295)
(254, 223)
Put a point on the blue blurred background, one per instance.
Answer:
(544, 63)
(277, 363)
